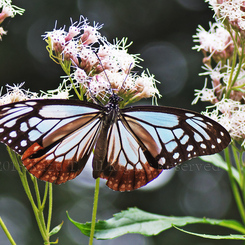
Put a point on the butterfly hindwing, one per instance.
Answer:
(125, 166)
(176, 134)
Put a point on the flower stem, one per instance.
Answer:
(37, 209)
(50, 206)
(234, 186)
(7, 232)
(95, 206)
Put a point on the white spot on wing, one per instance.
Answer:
(23, 143)
(10, 124)
(162, 160)
(197, 137)
(184, 140)
(31, 103)
(19, 105)
(190, 148)
(23, 127)
(189, 114)
(176, 155)
(198, 118)
(6, 108)
(13, 134)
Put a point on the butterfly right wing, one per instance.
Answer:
(55, 137)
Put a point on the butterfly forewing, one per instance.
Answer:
(55, 137)
(178, 134)
(27, 122)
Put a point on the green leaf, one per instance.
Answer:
(135, 220)
(216, 237)
(218, 161)
(56, 229)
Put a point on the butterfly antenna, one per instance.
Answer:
(95, 100)
(107, 78)
(126, 76)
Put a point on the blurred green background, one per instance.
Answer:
(162, 33)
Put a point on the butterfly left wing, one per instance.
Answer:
(176, 135)
(55, 137)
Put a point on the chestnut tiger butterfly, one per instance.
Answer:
(131, 146)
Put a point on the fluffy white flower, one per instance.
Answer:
(233, 10)
(216, 39)
(230, 114)
(16, 93)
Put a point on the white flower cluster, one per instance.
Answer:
(221, 76)
(17, 93)
(216, 43)
(98, 67)
(232, 117)
(231, 10)
(223, 47)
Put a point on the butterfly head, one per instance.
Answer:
(113, 103)
(115, 99)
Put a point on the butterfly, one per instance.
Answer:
(130, 146)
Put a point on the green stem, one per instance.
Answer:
(50, 206)
(45, 195)
(39, 204)
(238, 164)
(240, 63)
(230, 82)
(40, 208)
(234, 186)
(38, 212)
(95, 206)
(7, 232)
